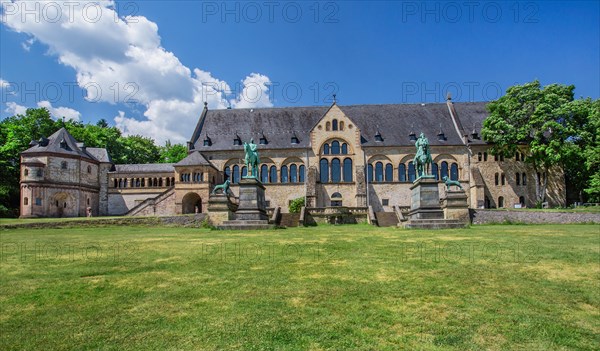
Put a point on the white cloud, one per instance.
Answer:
(120, 59)
(15, 109)
(56, 112)
(60, 112)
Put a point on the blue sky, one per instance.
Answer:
(147, 67)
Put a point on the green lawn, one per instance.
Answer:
(325, 288)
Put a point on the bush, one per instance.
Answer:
(296, 205)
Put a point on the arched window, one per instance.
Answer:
(236, 174)
(341, 125)
(334, 124)
(244, 171)
(501, 202)
(264, 174)
(522, 200)
(444, 170)
(326, 149)
(273, 175)
(370, 173)
(485, 156)
(25, 201)
(63, 165)
(327, 126)
(336, 172)
(115, 183)
(435, 171)
(379, 172)
(411, 172)
(344, 149)
(479, 156)
(454, 171)
(284, 174)
(389, 173)
(518, 178)
(503, 179)
(324, 170)
(301, 173)
(335, 147)
(227, 174)
(347, 169)
(89, 169)
(496, 181)
(336, 199)
(524, 178)
(402, 172)
(26, 172)
(293, 173)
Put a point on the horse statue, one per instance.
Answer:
(223, 187)
(422, 160)
(251, 159)
(449, 183)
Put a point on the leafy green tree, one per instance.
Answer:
(136, 149)
(172, 153)
(532, 115)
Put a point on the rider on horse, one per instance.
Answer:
(422, 159)
(251, 158)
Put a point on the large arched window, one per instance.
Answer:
(518, 177)
(293, 173)
(454, 171)
(347, 169)
(435, 171)
(411, 172)
(401, 172)
(344, 149)
(370, 173)
(227, 174)
(389, 173)
(335, 147)
(264, 173)
(244, 171)
(284, 174)
(273, 175)
(334, 124)
(236, 174)
(326, 149)
(301, 170)
(379, 172)
(444, 170)
(324, 170)
(524, 179)
(336, 170)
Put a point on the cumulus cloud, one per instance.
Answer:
(55, 112)
(121, 60)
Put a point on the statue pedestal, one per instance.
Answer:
(220, 209)
(455, 205)
(251, 212)
(425, 210)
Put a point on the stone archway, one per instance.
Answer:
(191, 203)
(62, 205)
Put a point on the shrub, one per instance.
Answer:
(296, 205)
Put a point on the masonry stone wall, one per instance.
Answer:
(479, 216)
(164, 207)
(121, 201)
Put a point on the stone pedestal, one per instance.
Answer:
(425, 200)
(220, 209)
(251, 212)
(455, 205)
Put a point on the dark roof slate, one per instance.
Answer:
(193, 159)
(393, 121)
(54, 145)
(100, 154)
(471, 116)
(145, 168)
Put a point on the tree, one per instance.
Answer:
(172, 153)
(531, 115)
(135, 149)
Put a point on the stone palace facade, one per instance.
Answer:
(353, 156)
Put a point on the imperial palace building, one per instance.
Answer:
(355, 156)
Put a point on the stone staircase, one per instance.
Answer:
(386, 219)
(289, 219)
(147, 207)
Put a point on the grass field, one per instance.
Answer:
(325, 288)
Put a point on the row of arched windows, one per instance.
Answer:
(289, 173)
(520, 178)
(335, 170)
(381, 173)
(334, 125)
(519, 156)
(335, 148)
(191, 177)
(143, 182)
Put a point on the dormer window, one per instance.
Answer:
(441, 136)
(263, 140)
(295, 139)
(378, 137)
(474, 135)
(412, 136)
(63, 144)
(237, 140)
(207, 141)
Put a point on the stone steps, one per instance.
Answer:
(386, 219)
(435, 224)
(242, 224)
(289, 219)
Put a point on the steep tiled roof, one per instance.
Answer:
(471, 116)
(193, 159)
(145, 168)
(61, 142)
(100, 154)
(394, 122)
